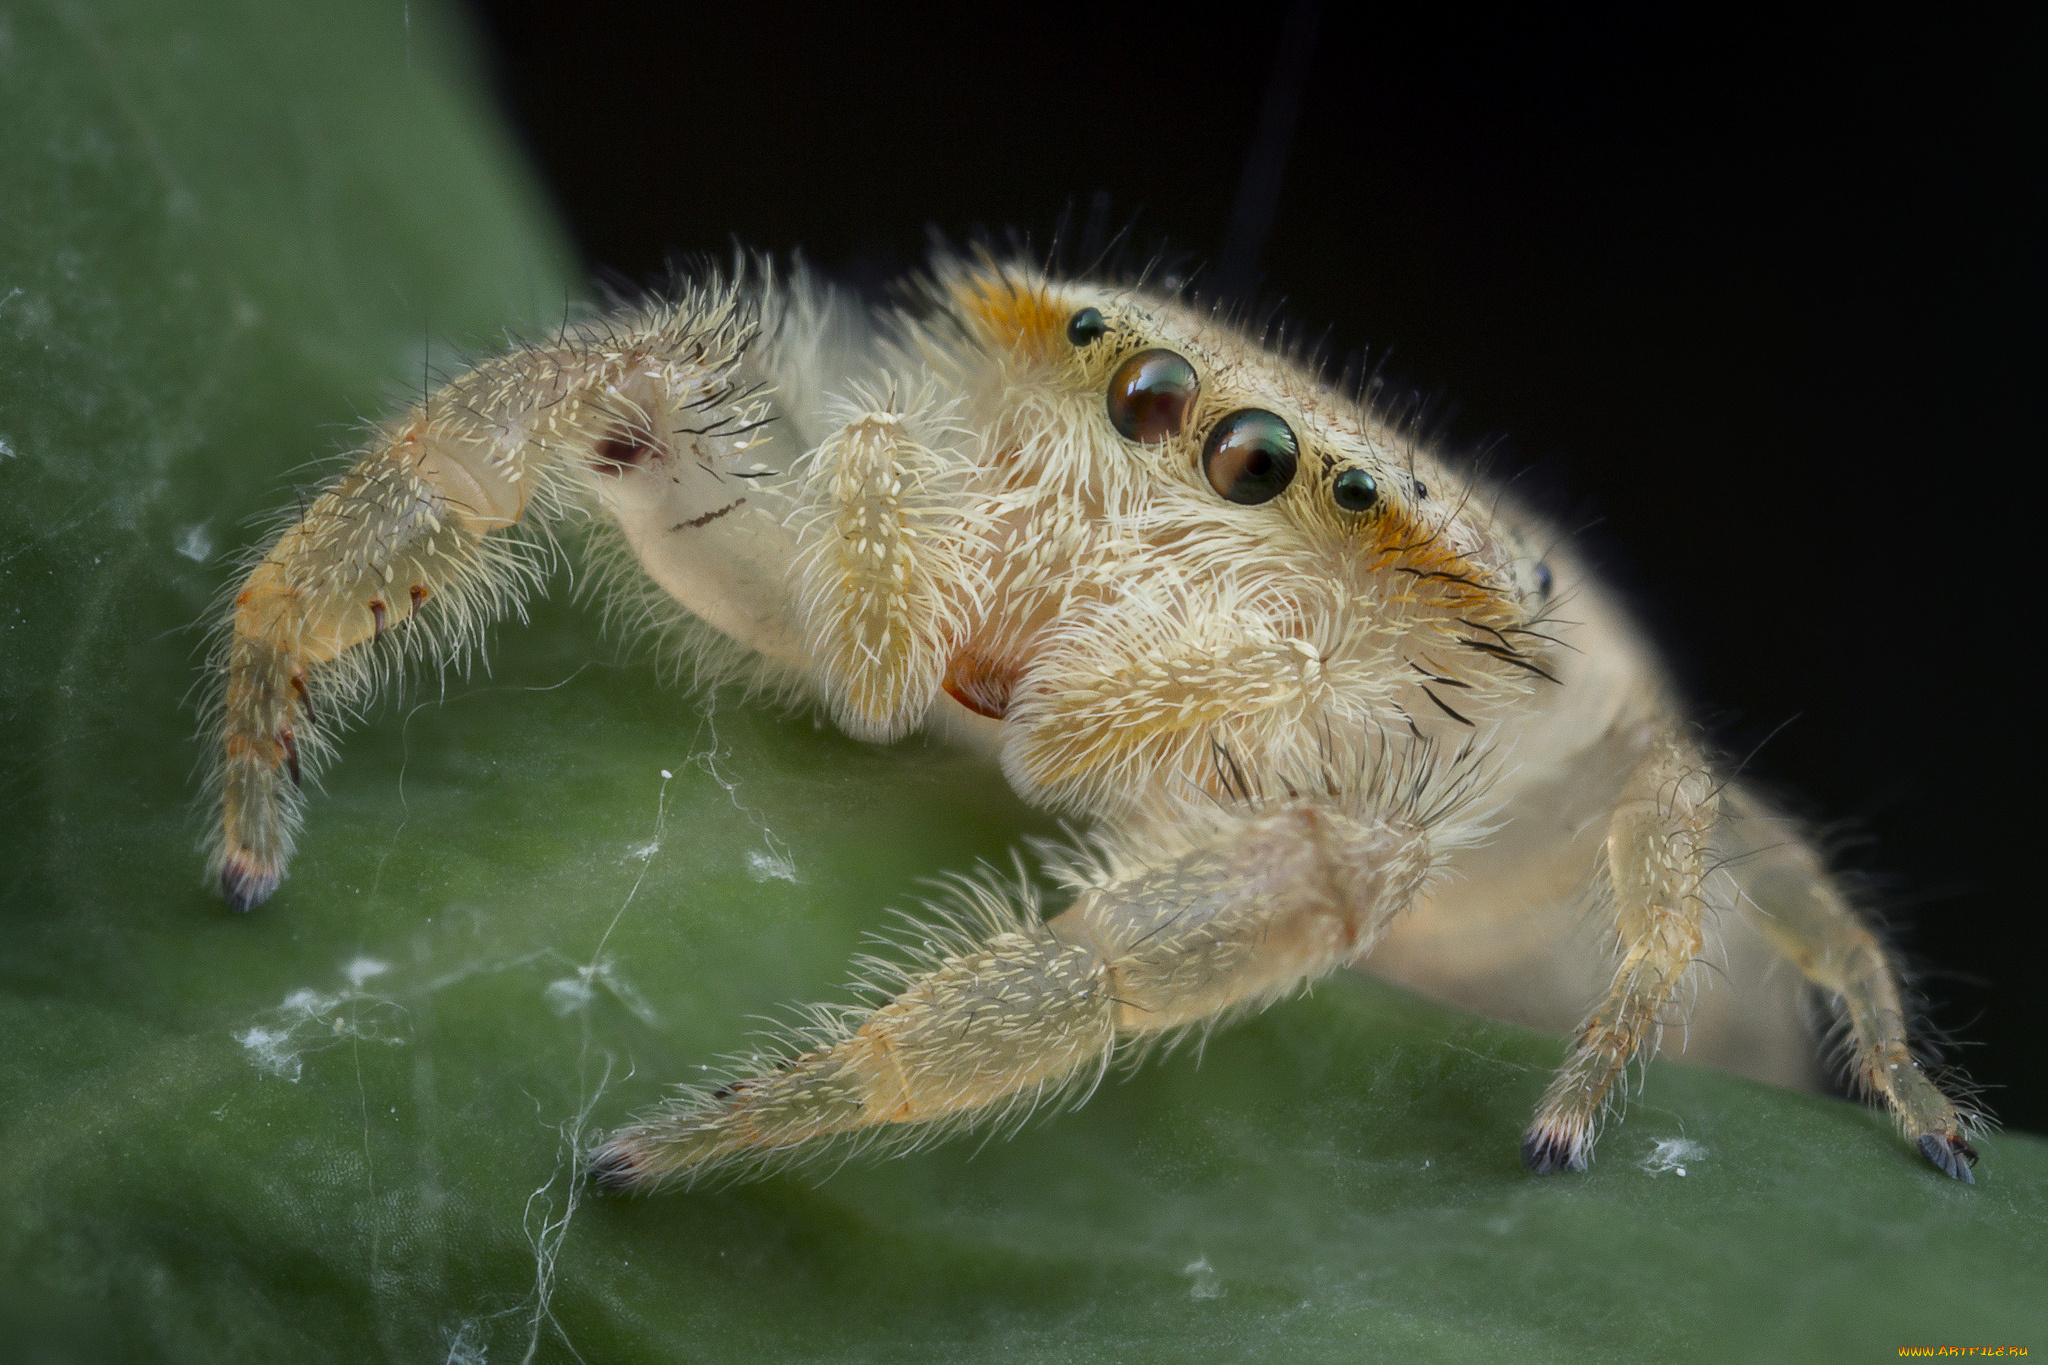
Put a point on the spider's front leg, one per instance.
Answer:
(1014, 1011)
(414, 535)
(1657, 862)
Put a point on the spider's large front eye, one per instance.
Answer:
(1250, 457)
(1151, 396)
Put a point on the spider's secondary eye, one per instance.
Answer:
(1086, 326)
(1250, 457)
(1151, 396)
(1355, 490)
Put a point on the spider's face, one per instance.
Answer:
(1167, 414)
(1288, 564)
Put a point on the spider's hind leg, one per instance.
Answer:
(1793, 901)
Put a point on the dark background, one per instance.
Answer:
(1755, 305)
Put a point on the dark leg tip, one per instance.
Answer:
(615, 1169)
(1952, 1156)
(246, 883)
(1546, 1153)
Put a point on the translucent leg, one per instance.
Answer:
(1657, 860)
(1804, 914)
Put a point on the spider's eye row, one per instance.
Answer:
(1151, 396)
(1086, 326)
(1250, 457)
(1356, 490)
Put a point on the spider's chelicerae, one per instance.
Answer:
(1318, 693)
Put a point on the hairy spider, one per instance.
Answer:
(1318, 693)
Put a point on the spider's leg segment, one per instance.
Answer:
(1014, 1012)
(893, 568)
(414, 540)
(1791, 898)
(1657, 857)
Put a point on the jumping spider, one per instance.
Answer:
(1302, 677)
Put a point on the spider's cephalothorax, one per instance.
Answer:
(1320, 694)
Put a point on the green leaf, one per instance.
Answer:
(339, 1128)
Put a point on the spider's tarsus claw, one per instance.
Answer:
(1951, 1155)
(615, 1167)
(304, 694)
(246, 883)
(1546, 1152)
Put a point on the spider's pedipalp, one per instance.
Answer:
(891, 562)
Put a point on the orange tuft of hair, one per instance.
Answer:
(1016, 313)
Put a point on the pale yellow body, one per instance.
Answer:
(1326, 702)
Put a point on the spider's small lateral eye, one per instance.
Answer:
(1086, 326)
(1356, 490)
(1151, 396)
(1421, 489)
(1543, 581)
(1250, 457)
